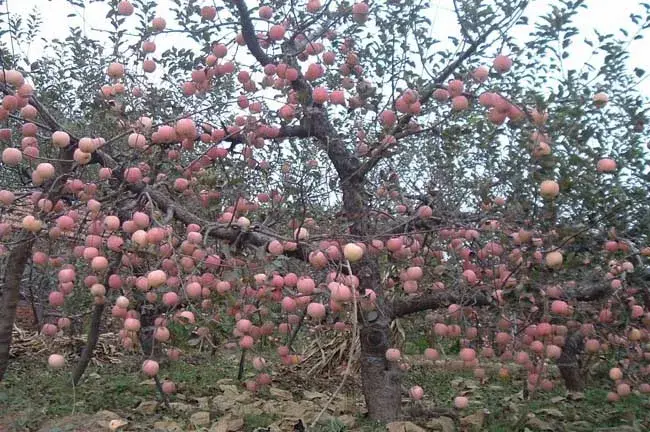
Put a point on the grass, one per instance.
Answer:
(504, 403)
(32, 394)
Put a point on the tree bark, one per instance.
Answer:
(93, 333)
(380, 379)
(10, 293)
(569, 362)
(91, 343)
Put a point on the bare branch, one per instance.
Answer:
(402, 307)
(248, 31)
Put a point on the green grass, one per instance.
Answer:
(33, 393)
(504, 402)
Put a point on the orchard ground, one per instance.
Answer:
(36, 398)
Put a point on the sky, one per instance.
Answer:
(604, 15)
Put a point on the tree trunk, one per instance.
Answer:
(381, 379)
(569, 362)
(91, 343)
(95, 324)
(10, 293)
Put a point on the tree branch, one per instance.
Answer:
(426, 96)
(248, 31)
(403, 307)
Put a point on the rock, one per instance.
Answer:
(167, 426)
(444, 424)
(201, 418)
(404, 426)
(147, 407)
(228, 423)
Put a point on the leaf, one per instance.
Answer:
(194, 342)
(538, 424)
(553, 412)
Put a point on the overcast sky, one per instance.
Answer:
(605, 15)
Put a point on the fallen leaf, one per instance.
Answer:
(167, 426)
(181, 407)
(553, 412)
(473, 422)
(556, 399)
(310, 395)
(228, 424)
(404, 426)
(202, 402)
(539, 424)
(147, 407)
(457, 382)
(347, 420)
(108, 420)
(576, 396)
(280, 393)
(201, 418)
(444, 424)
(117, 424)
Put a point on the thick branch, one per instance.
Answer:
(229, 233)
(288, 131)
(10, 293)
(248, 31)
(93, 334)
(402, 307)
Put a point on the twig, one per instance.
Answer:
(350, 358)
